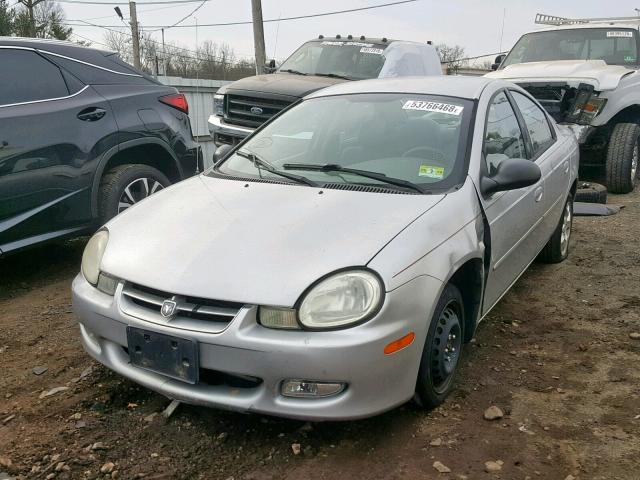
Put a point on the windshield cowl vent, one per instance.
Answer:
(366, 188)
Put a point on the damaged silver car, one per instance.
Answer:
(333, 265)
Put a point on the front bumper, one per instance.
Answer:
(225, 133)
(375, 382)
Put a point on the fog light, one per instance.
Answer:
(308, 389)
(107, 284)
(271, 317)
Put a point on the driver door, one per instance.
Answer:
(514, 215)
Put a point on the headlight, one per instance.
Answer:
(218, 104)
(92, 256)
(341, 299)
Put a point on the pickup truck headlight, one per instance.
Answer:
(218, 104)
(587, 106)
(341, 299)
(92, 256)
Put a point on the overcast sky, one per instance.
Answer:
(475, 25)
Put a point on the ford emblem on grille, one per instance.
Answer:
(168, 308)
(256, 110)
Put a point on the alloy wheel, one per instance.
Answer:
(138, 190)
(446, 347)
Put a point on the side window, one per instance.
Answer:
(25, 76)
(503, 137)
(536, 122)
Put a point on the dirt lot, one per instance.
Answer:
(555, 355)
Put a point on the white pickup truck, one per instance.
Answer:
(585, 73)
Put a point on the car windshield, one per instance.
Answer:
(349, 59)
(616, 46)
(396, 140)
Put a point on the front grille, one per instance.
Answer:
(191, 313)
(238, 109)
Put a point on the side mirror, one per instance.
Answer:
(270, 67)
(496, 63)
(221, 152)
(512, 173)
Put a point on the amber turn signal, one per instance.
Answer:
(399, 344)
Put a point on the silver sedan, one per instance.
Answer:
(333, 265)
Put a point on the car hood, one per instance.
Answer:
(288, 84)
(594, 72)
(252, 242)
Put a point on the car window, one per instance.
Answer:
(536, 122)
(25, 76)
(503, 137)
(413, 137)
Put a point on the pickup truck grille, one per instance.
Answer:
(238, 109)
(191, 313)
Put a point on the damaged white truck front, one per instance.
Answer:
(585, 73)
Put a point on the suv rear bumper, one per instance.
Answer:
(225, 133)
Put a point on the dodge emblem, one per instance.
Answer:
(168, 308)
(256, 110)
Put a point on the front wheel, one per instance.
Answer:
(622, 158)
(442, 350)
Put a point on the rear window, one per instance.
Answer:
(25, 76)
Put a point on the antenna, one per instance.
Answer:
(542, 19)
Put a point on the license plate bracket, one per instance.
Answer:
(167, 355)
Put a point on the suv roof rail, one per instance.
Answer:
(542, 19)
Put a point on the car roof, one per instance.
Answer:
(354, 38)
(60, 47)
(589, 26)
(447, 85)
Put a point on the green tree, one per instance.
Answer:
(41, 19)
(6, 19)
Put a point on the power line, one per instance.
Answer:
(98, 2)
(249, 22)
(146, 10)
(186, 16)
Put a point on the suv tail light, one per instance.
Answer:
(177, 101)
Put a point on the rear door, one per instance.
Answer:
(550, 157)
(514, 216)
(52, 128)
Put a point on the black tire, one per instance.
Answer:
(591, 193)
(115, 182)
(436, 375)
(556, 250)
(622, 154)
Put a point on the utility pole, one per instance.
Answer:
(258, 36)
(134, 34)
(164, 56)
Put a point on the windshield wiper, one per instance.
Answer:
(363, 173)
(333, 75)
(295, 72)
(261, 163)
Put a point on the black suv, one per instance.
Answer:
(83, 136)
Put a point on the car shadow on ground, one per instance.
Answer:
(38, 266)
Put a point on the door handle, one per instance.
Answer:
(538, 194)
(565, 167)
(91, 114)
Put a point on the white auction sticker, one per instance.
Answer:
(377, 51)
(620, 33)
(432, 107)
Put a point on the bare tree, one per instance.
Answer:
(452, 56)
(41, 19)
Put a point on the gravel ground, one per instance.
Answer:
(557, 356)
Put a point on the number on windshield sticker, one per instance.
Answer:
(433, 107)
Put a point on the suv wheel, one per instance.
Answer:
(622, 158)
(442, 350)
(125, 185)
